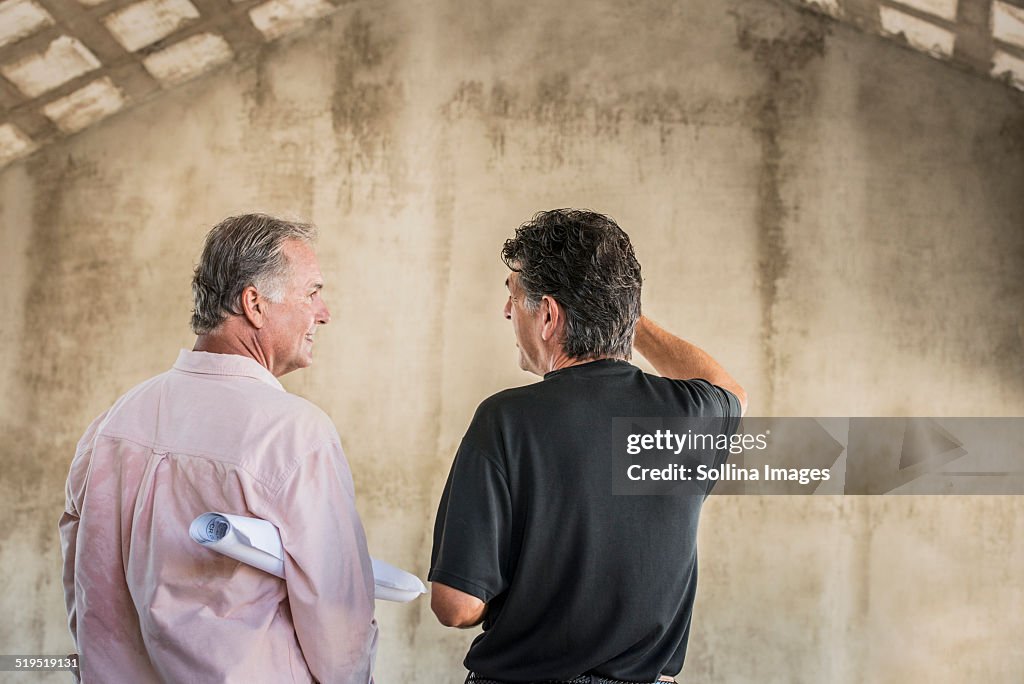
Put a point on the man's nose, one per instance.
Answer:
(508, 309)
(324, 315)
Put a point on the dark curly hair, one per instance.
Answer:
(586, 263)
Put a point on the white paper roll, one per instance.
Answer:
(392, 584)
(252, 541)
(257, 542)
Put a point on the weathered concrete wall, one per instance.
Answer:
(839, 220)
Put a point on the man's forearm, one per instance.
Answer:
(674, 357)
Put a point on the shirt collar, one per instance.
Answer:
(596, 366)
(224, 364)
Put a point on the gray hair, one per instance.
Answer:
(241, 251)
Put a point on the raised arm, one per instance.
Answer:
(674, 357)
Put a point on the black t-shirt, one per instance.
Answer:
(578, 580)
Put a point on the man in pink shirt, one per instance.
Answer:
(217, 432)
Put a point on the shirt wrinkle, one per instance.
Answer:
(480, 453)
(169, 450)
(146, 604)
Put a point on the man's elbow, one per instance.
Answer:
(455, 610)
(741, 396)
(727, 382)
(451, 616)
(445, 614)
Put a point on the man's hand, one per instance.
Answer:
(455, 608)
(676, 358)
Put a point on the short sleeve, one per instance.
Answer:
(471, 532)
(712, 401)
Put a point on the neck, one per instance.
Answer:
(230, 342)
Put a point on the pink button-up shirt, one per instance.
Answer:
(147, 604)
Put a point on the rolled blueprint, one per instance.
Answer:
(252, 541)
(257, 542)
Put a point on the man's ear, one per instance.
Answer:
(552, 318)
(253, 306)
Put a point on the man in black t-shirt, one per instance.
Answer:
(571, 582)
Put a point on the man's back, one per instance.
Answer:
(576, 579)
(217, 432)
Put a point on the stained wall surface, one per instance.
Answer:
(837, 219)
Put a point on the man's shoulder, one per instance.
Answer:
(512, 399)
(696, 396)
(304, 413)
(241, 412)
(278, 414)
(556, 391)
(129, 399)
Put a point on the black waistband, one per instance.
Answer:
(474, 678)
